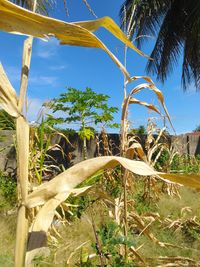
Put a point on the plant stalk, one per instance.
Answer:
(22, 139)
(98, 244)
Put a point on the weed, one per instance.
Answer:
(8, 188)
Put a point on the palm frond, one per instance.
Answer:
(43, 6)
(176, 26)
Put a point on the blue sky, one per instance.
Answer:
(55, 67)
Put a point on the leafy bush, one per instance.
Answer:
(111, 238)
(8, 188)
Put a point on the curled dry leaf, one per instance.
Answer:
(73, 176)
(53, 193)
(136, 148)
(145, 104)
(8, 97)
(15, 19)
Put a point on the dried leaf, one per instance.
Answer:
(53, 193)
(66, 181)
(15, 19)
(136, 147)
(112, 27)
(159, 94)
(145, 104)
(190, 180)
(8, 97)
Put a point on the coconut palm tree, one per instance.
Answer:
(176, 25)
(43, 6)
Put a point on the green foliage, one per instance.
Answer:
(6, 121)
(179, 163)
(42, 165)
(197, 129)
(191, 232)
(186, 163)
(142, 205)
(8, 188)
(140, 130)
(163, 161)
(111, 182)
(84, 107)
(87, 133)
(111, 238)
(175, 24)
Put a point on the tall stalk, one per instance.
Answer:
(22, 139)
(124, 133)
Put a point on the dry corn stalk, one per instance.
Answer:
(50, 195)
(130, 99)
(53, 193)
(15, 19)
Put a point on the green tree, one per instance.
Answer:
(176, 23)
(140, 130)
(87, 109)
(197, 129)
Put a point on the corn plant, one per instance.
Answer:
(21, 20)
(41, 163)
(50, 195)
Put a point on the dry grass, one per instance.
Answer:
(7, 240)
(80, 230)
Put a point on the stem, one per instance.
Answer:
(84, 148)
(22, 133)
(125, 214)
(98, 244)
(84, 138)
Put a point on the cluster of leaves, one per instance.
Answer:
(42, 164)
(140, 130)
(179, 163)
(111, 238)
(6, 121)
(8, 188)
(83, 107)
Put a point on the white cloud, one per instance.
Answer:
(42, 80)
(47, 49)
(58, 67)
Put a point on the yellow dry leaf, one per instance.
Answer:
(15, 19)
(8, 97)
(189, 180)
(145, 104)
(159, 94)
(73, 176)
(53, 193)
(112, 27)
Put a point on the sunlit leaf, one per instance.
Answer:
(8, 97)
(189, 180)
(15, 19)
